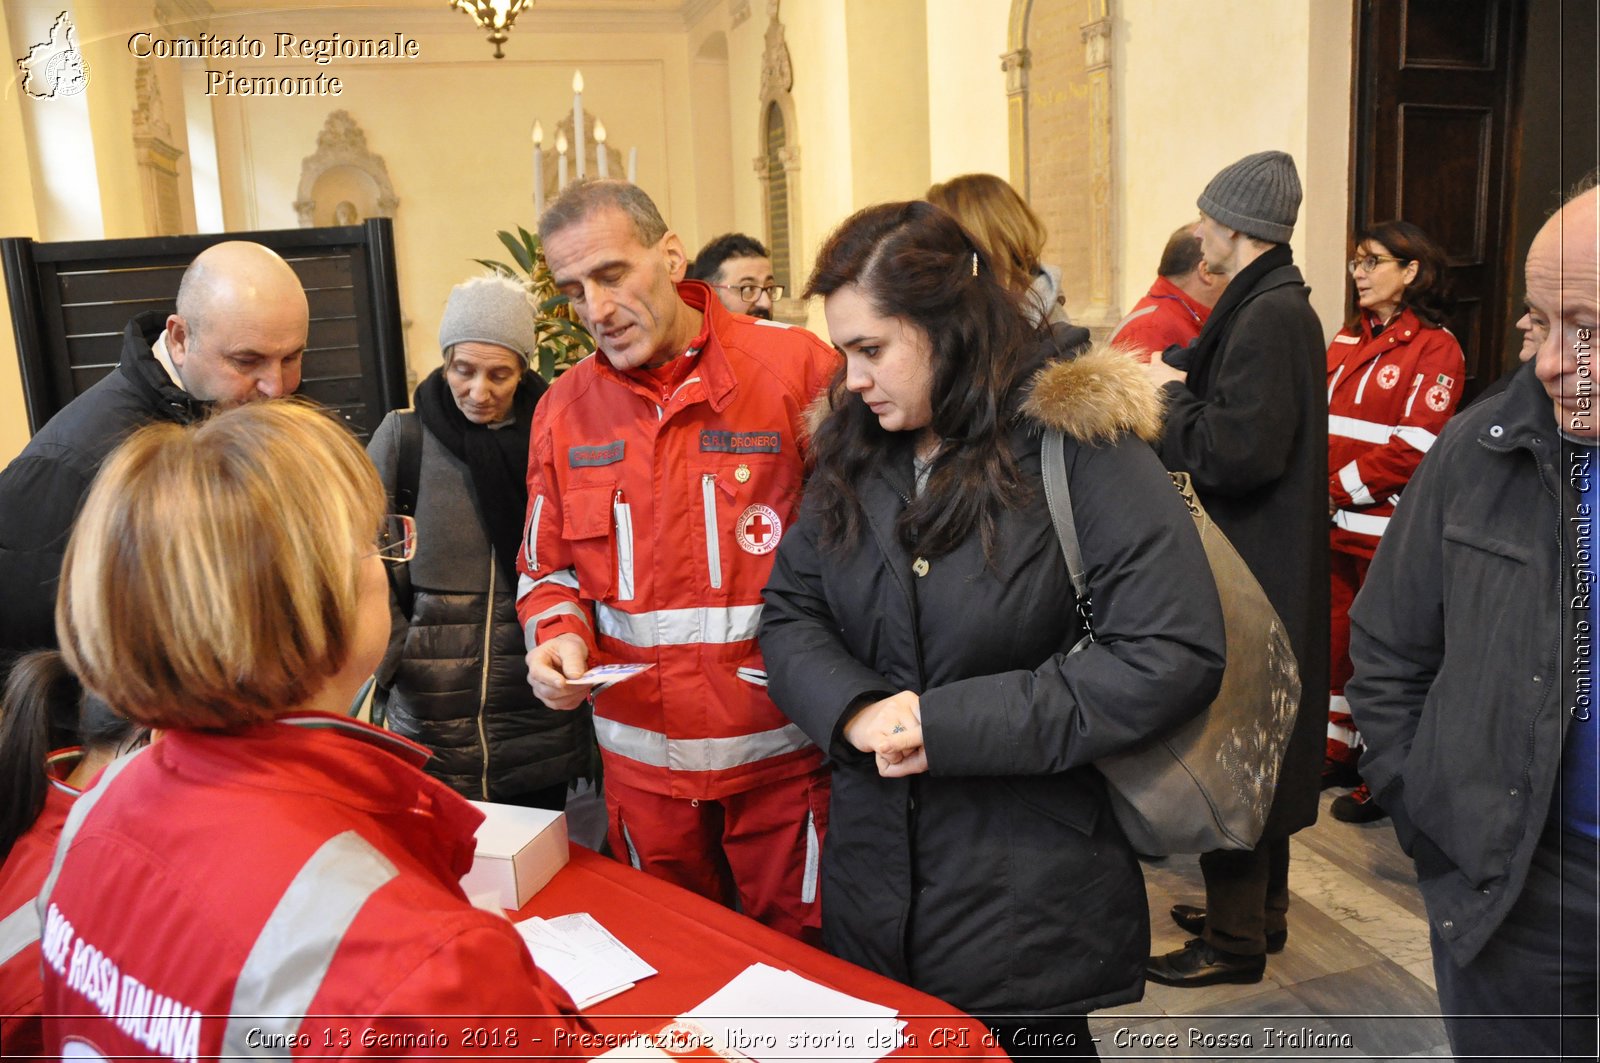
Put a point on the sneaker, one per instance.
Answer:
(1338, 773)
(1358, 806)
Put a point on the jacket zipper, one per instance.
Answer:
(624, 518)
(483, 679)
(708, 493)
(914, 799)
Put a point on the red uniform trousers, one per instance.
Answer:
(751, 838)
(1347, 572)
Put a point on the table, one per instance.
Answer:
(698, 946)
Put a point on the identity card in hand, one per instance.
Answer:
(606, 674)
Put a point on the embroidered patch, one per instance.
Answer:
(1388, 376)
(1447, 381)
(758, 530)
(1437, 398)
(604, 454)
(757, 442)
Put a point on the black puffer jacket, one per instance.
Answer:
(41, 490)
(999, 880)
(458, 680)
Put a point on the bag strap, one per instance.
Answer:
(408, 474)
(1058, 497)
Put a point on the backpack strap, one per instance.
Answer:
(1058, 496)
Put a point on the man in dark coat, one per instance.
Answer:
(1248, 420)
(1473, 645)
(237, 335)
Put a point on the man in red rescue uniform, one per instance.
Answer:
(662, 474)
(1177, 304)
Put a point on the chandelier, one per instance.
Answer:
(496, 16)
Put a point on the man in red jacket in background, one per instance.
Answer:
(663, 472)
(1177, 304)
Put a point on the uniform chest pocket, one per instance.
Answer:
(597, 524)
(743, 507)
(1478, 540)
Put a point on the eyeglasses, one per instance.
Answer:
(1370, 263)
(751, 292)
(397, 539)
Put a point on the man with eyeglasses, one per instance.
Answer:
(739, 270)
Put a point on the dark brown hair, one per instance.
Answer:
(915, 262)
(1427, 295)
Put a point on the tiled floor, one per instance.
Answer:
(1354, 982)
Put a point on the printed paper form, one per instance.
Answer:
(583, 957)
(769, 1014)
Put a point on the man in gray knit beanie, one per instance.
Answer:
(1247, 418)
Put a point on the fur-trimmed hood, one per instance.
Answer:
(1092, 398)
(1095, 397)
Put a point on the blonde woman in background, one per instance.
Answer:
(1012, 237)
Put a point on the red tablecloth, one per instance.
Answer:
(698, 947)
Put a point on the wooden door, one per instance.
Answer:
(1436, 105)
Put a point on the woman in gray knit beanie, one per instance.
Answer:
(454, 677)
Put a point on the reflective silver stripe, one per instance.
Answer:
(1416, 385)
(1112, 342)
(1361, 388)
(530, 633)
(679, 627)
(752, 675)
(1337, 373)
(19, 930)
(624, 516)
(1350, 480)
(633, 853)
(530, 534)
(1420, 438)
(708, 504)
(291, 955)
(1355, 428)
(808, 885)
(561, 577)
(80, 809)
(524, 585)
(696, 754)
(1361, 523)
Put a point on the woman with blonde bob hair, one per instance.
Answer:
(270, 865)
(1011, 235)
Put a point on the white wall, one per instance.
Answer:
(1198, 86)
(966, 88)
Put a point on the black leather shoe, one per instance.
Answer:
(1198, 964)
(1192, 918)
(1357, 806)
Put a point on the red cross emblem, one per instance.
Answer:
(758, 530)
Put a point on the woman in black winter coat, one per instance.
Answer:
(918, 623)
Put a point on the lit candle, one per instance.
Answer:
(538, 170)
(577, 117)
(600, 149)
(633, 166)
(561, 154)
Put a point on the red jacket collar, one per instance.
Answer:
(1165, 288)
(716, 380)
(1404, 322)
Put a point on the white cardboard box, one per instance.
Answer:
(518, 851)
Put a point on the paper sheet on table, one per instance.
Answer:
(769, 1014)
(583, 956)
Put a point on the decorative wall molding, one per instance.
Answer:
(155, 154)
(778, 168)
(348, 172)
